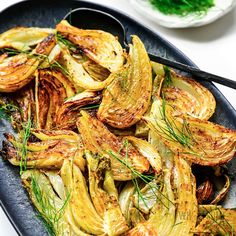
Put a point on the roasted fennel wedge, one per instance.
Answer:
(67, 114)
(78, 75)
(51, 90)
(123, 103)
(217, 222)
(186, 95)
(17, 71)
(201, 142)
(93, 132)
(23, 38)
(48, 153)
(45, 197)
(100, 46)
(102, 215)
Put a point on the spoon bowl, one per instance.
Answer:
(88, 18)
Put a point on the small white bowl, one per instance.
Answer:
(221, 8)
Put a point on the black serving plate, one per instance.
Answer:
(47, 13)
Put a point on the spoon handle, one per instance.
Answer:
(194, 71)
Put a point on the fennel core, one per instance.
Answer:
(182, 7)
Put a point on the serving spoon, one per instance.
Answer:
(88, 18)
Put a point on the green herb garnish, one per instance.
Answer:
(24, 151)
(90, 107)
(61, 39)
(147, 179)
(49, 212)
(182, 7)
(172, 132)
(41, 57)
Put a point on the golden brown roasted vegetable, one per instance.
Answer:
(23, 38)
(96, 71)
(82, 210)
(187, 96)
(17, 71)
(51, 158)
(52, 88)
(80, 78)
(100, 46)
(125, 200)
(187, 207)
(68, 112)
(102, 217)
(93, 133)
(45, 47)
(217, 222)
(147, 150)
(204, 191)
(127, 98)
(105, 195)
(25, 102)
(66, 135)
(162, 219)
(201, 142)
(49, 200)
(142, 129)
(49, 153)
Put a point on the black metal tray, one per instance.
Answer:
(45, 13)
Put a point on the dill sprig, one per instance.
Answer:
(134, 179)
(71, 46)
(49, 213)
(90, 107)
(52, 65)
(171, 131)
(14, 52)
(6, 111)
(147, 179)
(24, 151)
(222, 220)
(182, 7)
